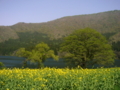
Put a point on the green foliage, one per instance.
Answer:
(38, 54)
(22, 53)
(116, 48)
(87, 47)
(2, 65)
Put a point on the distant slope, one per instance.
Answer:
(105, 22)
(7, 33)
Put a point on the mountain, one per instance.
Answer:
(107, 23)
(6, 33)
(104, 22)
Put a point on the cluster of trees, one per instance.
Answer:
(83, 47)
(87, 47)
(38, 54)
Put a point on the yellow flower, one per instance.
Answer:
(80, 78)
(43, 85)
(7, 89)
(18, 85)
(32, 89)
(104, 78)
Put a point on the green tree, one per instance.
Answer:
(87, 47)
(39, 54)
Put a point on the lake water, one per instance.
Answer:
(13, 61)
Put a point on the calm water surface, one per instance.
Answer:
(13, 61)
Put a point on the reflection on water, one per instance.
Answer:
(13, 61)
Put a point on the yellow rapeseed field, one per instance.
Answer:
(60, 79)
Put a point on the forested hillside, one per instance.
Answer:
(105, 22)
(27, 34)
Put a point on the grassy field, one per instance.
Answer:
(60, 79)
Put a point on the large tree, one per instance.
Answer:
(39, 54)
(87, 47)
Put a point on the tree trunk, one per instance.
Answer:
(24, 63)
(40, 65)
(83, 65)
(83, 62)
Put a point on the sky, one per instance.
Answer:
(38, 11)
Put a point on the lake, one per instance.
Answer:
(13, 61)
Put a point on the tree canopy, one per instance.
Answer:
(87, 47)
(38, 54)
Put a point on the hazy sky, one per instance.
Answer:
(37, 11)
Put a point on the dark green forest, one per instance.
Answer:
(27, 40)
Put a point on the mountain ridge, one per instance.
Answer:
(104, 22)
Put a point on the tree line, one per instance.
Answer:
(28, 40)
